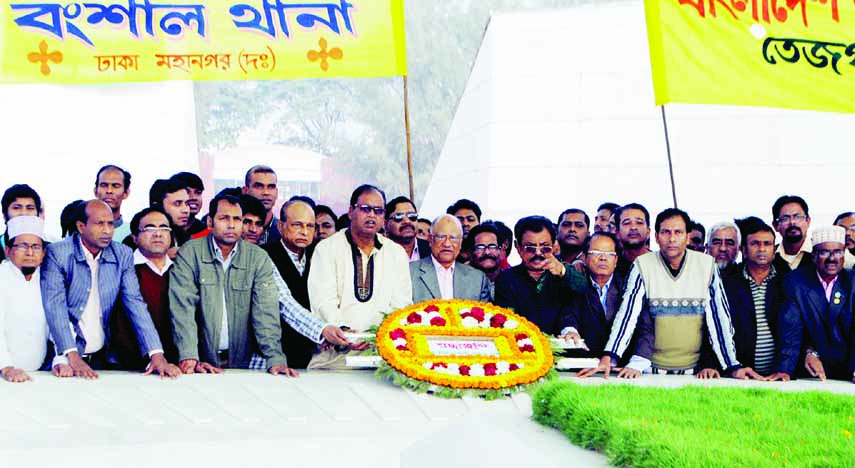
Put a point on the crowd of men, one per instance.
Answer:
(172, 292)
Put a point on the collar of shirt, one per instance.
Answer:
(603, 292)
(791, 259)
(439, 266)
(827, 287)
(218, 254)
(415, 255)
(377, 244)
(298, 259)
(747, 275)
(87, 254)
(140, 259)
(118, 223)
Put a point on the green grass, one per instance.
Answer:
(702, 427)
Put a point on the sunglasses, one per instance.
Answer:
(367, 209)
(398, 217)
(532, 249)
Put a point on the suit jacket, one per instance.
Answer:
(65, 283)
(592, 322)
(809, 320)
(424, 248)
(196, 285)
(469, 283)
(743, 315)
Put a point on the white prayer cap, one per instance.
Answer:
(25, 225)
(829, 234)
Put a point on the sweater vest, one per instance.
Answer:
(677, 307)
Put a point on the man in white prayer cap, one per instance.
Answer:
(23, 328)
(816, 315)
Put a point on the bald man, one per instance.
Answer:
(440, 276)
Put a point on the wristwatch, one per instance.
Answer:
(810, 352)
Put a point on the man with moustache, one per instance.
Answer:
(223, 298)
(847, 221)
(23, 328)
(541, 287)
(325, 220)
(401, 226)
(261, 182)
(440, 276)
(633, 225)
(571, 234)
(723, 246)
(792, 220)
(82, 278)
(172, 196)
(486, 253)
(681, 293)
(358, 275)
(604, 217)
(19, 200)
(113, 186)
(152, 231)
(697, 235)
(195, 187)
(816, 316)
(254, 215)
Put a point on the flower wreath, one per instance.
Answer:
(489, 350)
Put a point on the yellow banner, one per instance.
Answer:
(795, 54)
(158, 40)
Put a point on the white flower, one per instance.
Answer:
(486, 322)
(464, 311)
(469, 322)
(503, 367)
(476, 370)
(404, 321)
(428, 365)
(520, 365)
(511, 324)
(525, 341)
(431, 315)
(453, 369)
(399, 342)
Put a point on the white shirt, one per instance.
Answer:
(332, 280)
(140, 259)
(23, 327)
(90, 321)
(794, 260)
(224, 325)
(445, 278)
(415, 257)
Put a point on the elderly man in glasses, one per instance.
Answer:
(541, 287)
(402, 226)
(358, 275)
(440, 275)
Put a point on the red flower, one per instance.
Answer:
(431, 308)
(464, 370)
(498, 321)
(477, 313)
(414, 318)
(438, 364)
(527, 348)
(520, 336)
(513, 367)
(401, 348)
(490, 368)
(397, 333)
(437, 322)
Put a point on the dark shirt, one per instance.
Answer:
(594, 323)
(544, 302)
(196, 227)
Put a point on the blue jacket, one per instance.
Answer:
(66, 281)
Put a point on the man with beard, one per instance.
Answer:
(792, 221)
(261, 182)
(357, 275)
(697, 235)
(604, 217)
(23, 328)
(633, 225)
(679, 290)
(847, 221)
(112, 186)
(253, 218)
(195, 188)
(572, 232)
(402, 226)
(816, 316)
(486, 252)
(325, 220)
(723, 246)
(440, 276)
(540, 288)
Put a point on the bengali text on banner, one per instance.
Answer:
(794, 54)
(159, 40)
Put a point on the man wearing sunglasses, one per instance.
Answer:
(358, 275)
(541, 287)
(402, 222)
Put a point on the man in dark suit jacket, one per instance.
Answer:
(402, 226)
(791, 219)
(816, 315)
(439, 276)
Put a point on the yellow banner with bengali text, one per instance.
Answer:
(794, 54)
(158, 40)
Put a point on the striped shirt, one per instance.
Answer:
(764, 351)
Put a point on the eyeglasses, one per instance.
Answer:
(398, 217)
(823, 253)
(445, 237)
(153, 229)
(533, 249)
(367, 209)
(480, 248)
(36, 248)
(600, 253)
(787, 219)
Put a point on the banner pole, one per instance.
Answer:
(409, 139)
(668, 150)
